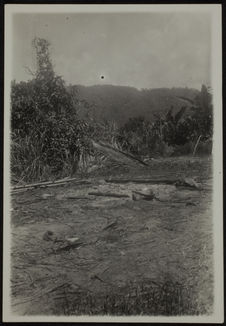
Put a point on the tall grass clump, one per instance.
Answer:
(144, 299)
(47, 137)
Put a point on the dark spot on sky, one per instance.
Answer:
(67, 18)
(102, 77)
(46, 25)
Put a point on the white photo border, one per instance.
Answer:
(216, 77)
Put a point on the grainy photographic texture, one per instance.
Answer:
(114, 201)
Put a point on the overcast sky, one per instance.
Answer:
(144, 50)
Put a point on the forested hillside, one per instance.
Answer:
(53, 124)
(119, 103)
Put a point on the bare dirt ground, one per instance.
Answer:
(131, 256)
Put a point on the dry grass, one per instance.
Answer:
(148, 298)
(28, 161)
(157, 260)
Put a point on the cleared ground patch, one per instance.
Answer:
(132, 256)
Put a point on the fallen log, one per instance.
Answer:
(186, 183)
(117, 154)
(19, 191)
(16, 191)
(150, 181)
(50, 183)
(137, 195)
(104, 194)
(35, 187)
(126, 154)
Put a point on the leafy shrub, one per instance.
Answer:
(205, 147)
(49, 138)
(46, 133)
(170, 133)
(185, 149)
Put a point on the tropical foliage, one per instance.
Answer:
(51, 137)
(44, 122)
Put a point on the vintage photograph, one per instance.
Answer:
(113, 163)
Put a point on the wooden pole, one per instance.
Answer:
(196, 145)
(49, 183)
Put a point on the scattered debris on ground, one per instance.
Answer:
(113, 254)
(118, 155)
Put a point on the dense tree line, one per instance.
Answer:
(142, 136)
(48, 137)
